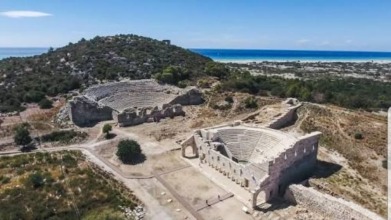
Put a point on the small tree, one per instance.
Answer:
(45, 104)
(22, 136)
(106, 129)
(128, 151)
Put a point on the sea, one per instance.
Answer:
(6, 52)
(242, 56)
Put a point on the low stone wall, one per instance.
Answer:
(326, 205)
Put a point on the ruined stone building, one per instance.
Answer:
(131, 102)
(259, 159)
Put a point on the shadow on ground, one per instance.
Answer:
(325, 169)
(136, 160)
(28, 148)
(110, 136)
(273, 205)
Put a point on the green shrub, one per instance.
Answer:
(358, 136)
(63, 136)
(4, 179)
(250, 102)
(22, 136)
(128, 151)
(106, 129)
(45, 104)
(35, 180)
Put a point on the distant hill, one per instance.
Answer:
(88, 62)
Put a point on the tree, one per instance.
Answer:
(45, 104)
(106, 129)
(128, 151)
(22, 136)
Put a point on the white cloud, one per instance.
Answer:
(325, 43)
(303, 41)
(24, 14)
(348, 41)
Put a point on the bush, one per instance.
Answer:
(63, 136)
(4, 179)
(229, 99)
(128, 151)
(250, 102)
(45, 104)
(22, 136)
(358, 136)
(35, 180)
(106, 129)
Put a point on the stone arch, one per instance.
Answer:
(259, 197)
(194, 151)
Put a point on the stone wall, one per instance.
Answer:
(285, 119)
(134, 116)
(272, 177)
(326, 205)
(84, 112)
(131, 102)
(191, 96)
(295, 164)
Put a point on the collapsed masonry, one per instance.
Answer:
(131, 102)
(326, 205)
(260, 159)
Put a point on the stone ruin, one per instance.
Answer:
(260, 159)
(131, 102)
(328, 206)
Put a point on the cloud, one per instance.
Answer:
(303, 41)
(24, 14)
(325, 43)
(348, 41)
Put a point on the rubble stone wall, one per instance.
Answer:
(84, 112)
(138, 116)
(326, 205)
(191, 96)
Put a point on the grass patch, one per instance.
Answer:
(55, 185)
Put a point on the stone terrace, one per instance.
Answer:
(137, 93)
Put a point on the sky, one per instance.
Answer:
(359, 25)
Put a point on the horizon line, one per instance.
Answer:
(205, 48)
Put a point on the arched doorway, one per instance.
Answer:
(189, 151)
(260, 197)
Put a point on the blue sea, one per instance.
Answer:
(6, 52)
(236, 55)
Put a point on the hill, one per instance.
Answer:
(75, 66)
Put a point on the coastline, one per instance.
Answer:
(246, 61)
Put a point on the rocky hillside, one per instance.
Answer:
(24, 80)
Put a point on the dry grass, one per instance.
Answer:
(362, 179)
